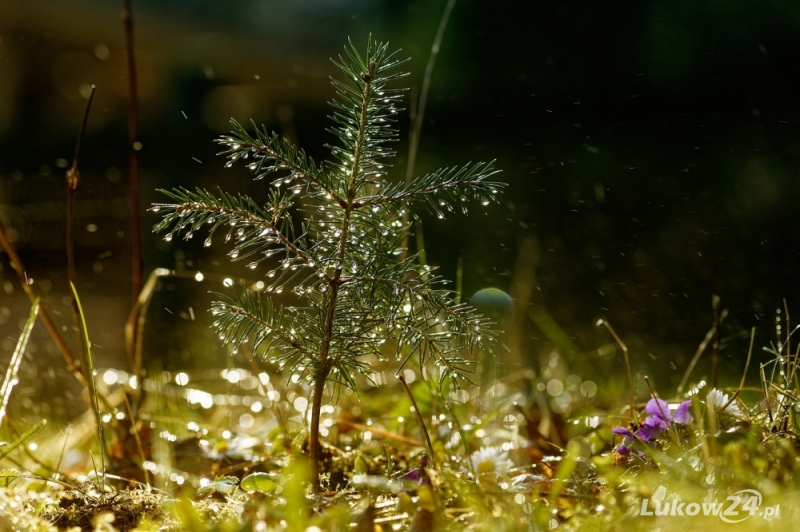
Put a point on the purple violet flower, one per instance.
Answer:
(418, 475)
(660, 409)
(660, 416)
(623, 449)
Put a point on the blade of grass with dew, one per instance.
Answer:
(92, 382)
(8, 448)
(16, 359)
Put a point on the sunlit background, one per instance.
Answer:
(651, 151)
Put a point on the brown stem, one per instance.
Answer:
(418, 117)
(133, 157)
(16, 263)
(700, 350)
(627, 366)
(325, 364)
(747, 363)
(715, 345)
(313, 436)
(73, 180)
(402, 380)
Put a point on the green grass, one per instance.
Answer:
(529, 478)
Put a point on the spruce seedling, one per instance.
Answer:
(361, 298)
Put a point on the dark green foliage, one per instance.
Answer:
(345, 262)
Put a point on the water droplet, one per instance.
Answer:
(252, 265)
(168, 238)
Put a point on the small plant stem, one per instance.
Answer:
(381, 432)
(313, 438)
(92, 384)
(766, 392)
(419, 117)
(732, 399)
(700, 350)
(715, 346)
(16, 360)
(712, 429)
(73, 180)
(402, 380)
(459, 279)
(63, 450)
(134, 429)
(417, 120)
(666, 416)
(627, 366)
(5, 451)
(788, 328)
(133, 157)
(701, 430)
(747, 364)
(325, 363)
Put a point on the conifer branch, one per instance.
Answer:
(256, 228)
(244, 315)
(272, 153)
(461, 316)
(442, 188)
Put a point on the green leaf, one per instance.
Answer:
(223, 485)
(261, 482)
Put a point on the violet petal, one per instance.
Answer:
(658, 407)
(682, 414)
(622, 431)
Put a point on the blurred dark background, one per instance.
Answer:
(651, 151)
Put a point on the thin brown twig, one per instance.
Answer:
(731, 400)
(417, 119)
(16, 263)
(402, 380)
(381, 432)
(627, 365)
(715, 346)
(133, 157)
(766, 392)
(788, 328)
(747, 364)
(700, 350)
(73, 180)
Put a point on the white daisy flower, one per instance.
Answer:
(490, 460)
(719, 400)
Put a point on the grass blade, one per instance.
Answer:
(8, 448)
(92, 382)
(16, 359)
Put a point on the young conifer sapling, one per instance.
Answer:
(361, 300)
